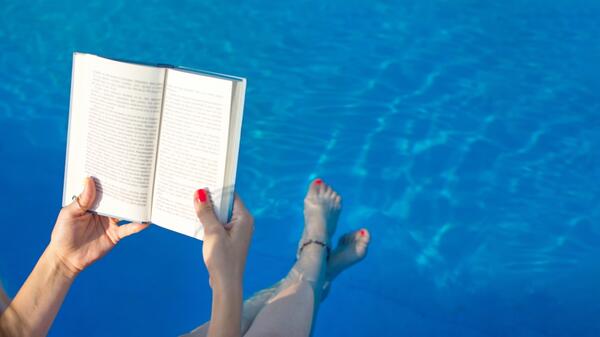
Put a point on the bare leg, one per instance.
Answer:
(351, 248)
(292, 310)
(250, 309)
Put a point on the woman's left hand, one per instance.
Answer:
(80, 238)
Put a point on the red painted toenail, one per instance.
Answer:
(201, 195)
(363, 232)
(318, 181)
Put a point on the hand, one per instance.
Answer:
(225, 245)
(80, 238)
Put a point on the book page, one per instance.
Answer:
(113, 129)
(192, 149)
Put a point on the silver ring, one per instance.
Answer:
(79, 204)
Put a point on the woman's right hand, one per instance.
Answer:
(225, 245)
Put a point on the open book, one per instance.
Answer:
(151, 136)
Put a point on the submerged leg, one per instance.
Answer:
(296, 302)
(250, 309)
(291, 311)
(351, 248)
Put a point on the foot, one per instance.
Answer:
(322, 207)
(351, 248)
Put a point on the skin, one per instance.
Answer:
(292, 310)
(292, 303)
(224, 250)
(80, 238)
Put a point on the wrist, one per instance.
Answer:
(230, 281)
(226, 310)
(61, 263)
(226, 285)
(227, 295)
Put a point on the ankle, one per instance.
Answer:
(312, 264)
(324, 245)
(316, 251)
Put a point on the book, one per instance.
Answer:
(150, 136)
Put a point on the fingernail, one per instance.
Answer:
(201, 195)
(363, 232)
(318, 181)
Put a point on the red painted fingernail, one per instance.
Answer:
(201, 195)
(318, 181)
(363, 232)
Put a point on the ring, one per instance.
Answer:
(79, 204)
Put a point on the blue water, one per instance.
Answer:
(464, 134)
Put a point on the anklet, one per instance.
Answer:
(320, 243)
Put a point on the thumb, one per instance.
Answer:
(244, 222)
(205, 212)
(85, 200)
(131, 228)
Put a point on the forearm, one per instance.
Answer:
(33, 310)
(226, 311)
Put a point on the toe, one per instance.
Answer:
(361, 242)
(328, 192)
(362, 235)
(338, 200)
(314, 187)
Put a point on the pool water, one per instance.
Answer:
(464, 134)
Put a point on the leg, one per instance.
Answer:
(294, 304)
(351, 248)
(292, 310)
(250, 309)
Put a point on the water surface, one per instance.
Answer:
(464, 134)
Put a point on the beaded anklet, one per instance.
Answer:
(320, 243)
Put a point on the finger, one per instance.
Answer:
(243, 227)
(85, 199)
(131, 228)
(205, 212)
(239, 208)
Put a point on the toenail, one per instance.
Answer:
(201, 195)
(363, 232)
(318, 181)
